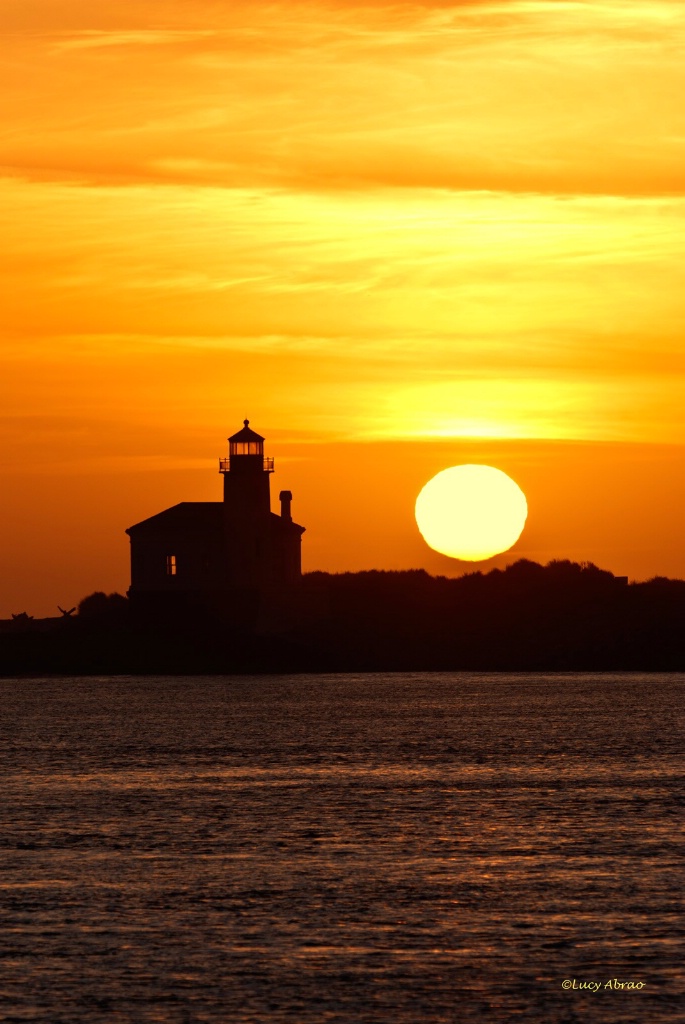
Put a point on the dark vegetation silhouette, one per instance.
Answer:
(103, 608)
(563, 616)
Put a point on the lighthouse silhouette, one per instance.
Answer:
(212, 557)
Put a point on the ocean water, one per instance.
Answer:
(355, 848)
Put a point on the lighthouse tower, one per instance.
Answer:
(262, 549)
(246, 475)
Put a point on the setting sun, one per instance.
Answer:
(471, 512)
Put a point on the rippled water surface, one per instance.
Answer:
(353, 848)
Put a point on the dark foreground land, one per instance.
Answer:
(559, 617)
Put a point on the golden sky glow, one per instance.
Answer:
(374, 222)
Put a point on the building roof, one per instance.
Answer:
(246, 434)
(196, 515)
(200, 517)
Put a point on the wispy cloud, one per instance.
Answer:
(554, 97)
(364, 304)
(90, 39)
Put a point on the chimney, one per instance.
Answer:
(285, 498)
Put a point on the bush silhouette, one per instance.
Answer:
(103, 608)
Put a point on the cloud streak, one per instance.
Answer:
(364, 313)
(551, 97)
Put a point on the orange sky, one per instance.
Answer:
(394, 235)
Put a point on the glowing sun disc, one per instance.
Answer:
(471, 512)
